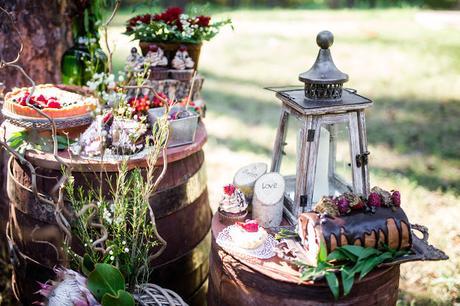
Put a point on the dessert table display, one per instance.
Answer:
(321, 236)
(106, 183)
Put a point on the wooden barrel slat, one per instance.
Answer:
(187, 272)
(181, 206)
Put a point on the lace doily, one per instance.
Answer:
(265, 251)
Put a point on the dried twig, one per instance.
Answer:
(104, 29)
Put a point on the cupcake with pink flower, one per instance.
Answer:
(233, 206)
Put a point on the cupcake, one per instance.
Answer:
(233, 206)
(248, 235)
(182, 65)
(156, 59)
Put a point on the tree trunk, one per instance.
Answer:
(45, 27)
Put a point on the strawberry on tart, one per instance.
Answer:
(248, 235)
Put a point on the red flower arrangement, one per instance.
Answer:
(173, 25)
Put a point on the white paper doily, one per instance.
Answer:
(265, 251)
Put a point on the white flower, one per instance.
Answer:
(112, 258)
(111, 252)
(107, 216)
(126, 250)
(124, 242)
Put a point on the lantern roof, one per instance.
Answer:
(324, 70)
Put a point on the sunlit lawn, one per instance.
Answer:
(409, 66)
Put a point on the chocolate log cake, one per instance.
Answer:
(387, 226)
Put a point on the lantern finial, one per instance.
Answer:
(323, 82)
(324, 39)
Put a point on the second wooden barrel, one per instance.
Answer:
(182, 212)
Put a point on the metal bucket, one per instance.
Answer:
(182, 131)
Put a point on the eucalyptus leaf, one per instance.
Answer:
(122, 298)
(333, 283)
(105, 279)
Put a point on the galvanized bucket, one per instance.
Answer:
(182, 131)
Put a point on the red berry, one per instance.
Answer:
(249, 226)
(54, 104)
(229, 189)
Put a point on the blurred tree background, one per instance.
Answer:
(333, 4)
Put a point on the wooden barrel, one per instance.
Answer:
(244, 281)
(180, 204)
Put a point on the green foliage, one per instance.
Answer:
(284, 233)
(32, 140)
(348, 261)
(107, 285)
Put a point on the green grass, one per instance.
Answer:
(408, 66)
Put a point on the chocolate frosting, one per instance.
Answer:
(357, 224)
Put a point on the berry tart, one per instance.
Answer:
(248, 235)
(50, 99)
(233, 206)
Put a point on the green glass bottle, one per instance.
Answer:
(75, 69)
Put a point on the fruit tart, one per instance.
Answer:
(248, 235)
(52, 100)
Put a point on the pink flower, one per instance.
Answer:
(374, 200)
(396, 198)
(343, 205)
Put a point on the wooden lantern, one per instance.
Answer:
(326, 112)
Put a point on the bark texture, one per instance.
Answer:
(45, 27)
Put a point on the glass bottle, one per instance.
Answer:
(75, 69)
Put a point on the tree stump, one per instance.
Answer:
(246, 177)
(267, 204)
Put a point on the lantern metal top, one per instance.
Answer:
(323, 81)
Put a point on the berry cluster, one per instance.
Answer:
(229, 189)
(142, 104)
(39, 102)
(348, 202)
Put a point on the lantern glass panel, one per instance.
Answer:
(333, 174)
(289, 159)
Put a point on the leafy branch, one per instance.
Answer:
(346, 261)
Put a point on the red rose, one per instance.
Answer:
(203, 21)
(396, 198)
(146, 18)
(229, 189)
(249, 226)
(174, 11)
